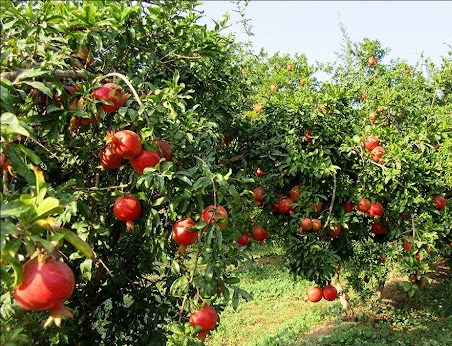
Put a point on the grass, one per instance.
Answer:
(278, 315)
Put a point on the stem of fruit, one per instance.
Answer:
(135, 94)
(330, 211)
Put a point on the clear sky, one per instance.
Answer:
(408, 28)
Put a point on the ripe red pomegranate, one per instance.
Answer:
(164, 149)
(258, 194)
(407, 246)
(306, 224)
(330, 293)
(259, 173)
(125, 143)
(439, 202)
(371, 142)
(113, 93)
(372, 117)
(364, 205)
(285, 206)
(110, 159)
(376, 210)
(243, 239)
(183, 235)
(259, 233)
(378, 228)
(335, 231)
(215, 214)
(316, 225)
(46, 284)
(314, 294)
(377, 153)
(294, 194)
(206, 318)
(348, 206)
(144, 159)
(127, 208)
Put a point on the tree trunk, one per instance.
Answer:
(349, 314)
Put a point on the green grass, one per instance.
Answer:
(278, 315)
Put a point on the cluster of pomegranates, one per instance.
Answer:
(315, 293)
(376, 151)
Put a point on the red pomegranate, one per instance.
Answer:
(371, 142)
(46, 284)
(378, 228)
(183, 235)
(112, 93)
(348, 206)
(330, 293)
(215, 214)
(144, 159)
(243, 239)
(258, 194)
(285, 206)
(127, 208)
(110, 159)
(125, 143)
(306, 224)
(164, 149)
(364, 205)
(206, 318)
(259, 233)
(314, 294)
(294, 194)
(335, 231)
(376, 210)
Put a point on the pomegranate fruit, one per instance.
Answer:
(110, 159)
(378, 228)
(46, 284)
(243, 239)
(314, 294)
(164, 149)
(364, 205)
(372, 117)
(306, 224)
(259, 172)
(183, 235)
(439, 202)
(377, 153)
(112, 93)
(407, 246)
(127, 208)
(376, 210)
(330, 293)
(371, 142)
(125, 143)
(348, 206)
(215, 214)
(335, 231)
(316, 225)
(258, 194)
(294, 194)
(285, 206)
(258, 233)
(206, 318)
(144, 159)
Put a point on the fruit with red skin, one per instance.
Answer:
(417, 256)
(307, 135)
(348, 206)
(289, 67)
(306, 224)
(364, 205)
(363, 96)
(127, 208)
(112, 93)
(403, 217)
(330, 293)
(378, 228)
(125, 143)
(294, 194)
(382, 109)
(371, 142)
(183, 235)
(110, 159)
(206, 318)
(302, 83)
(335, 231)
(144, 159)
(429, 249)
(275, 207)
(316, 225)
(372, 117)
(243, 239)
(257, 108)
(372, 61)
(439, 202)
(285, 206)
(164, 149)
(273, 87)
(227, 138)
(259, 233)
(383, 258)
(377, 153)
(366, 279)
(258, 172)
(215, 214)
(316, 206)
(258, 194)
(376, 210)
(437, 147)
(314, 294)
(46, 284)
(407, 246)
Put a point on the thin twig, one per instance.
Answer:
(106, 268)
(331, 204)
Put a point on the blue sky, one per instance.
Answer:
(408, 28)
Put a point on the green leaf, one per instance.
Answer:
(41, 186)
(77, 242)
(10, 125)
(47, 207)
(40, 86)
(30, 74)
(180, 286)
(19, 164)
(14, 208)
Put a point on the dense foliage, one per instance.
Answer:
(234, 121)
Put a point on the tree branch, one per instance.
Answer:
(63, 74)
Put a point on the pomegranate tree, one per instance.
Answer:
(46, 284)
(127, 208)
